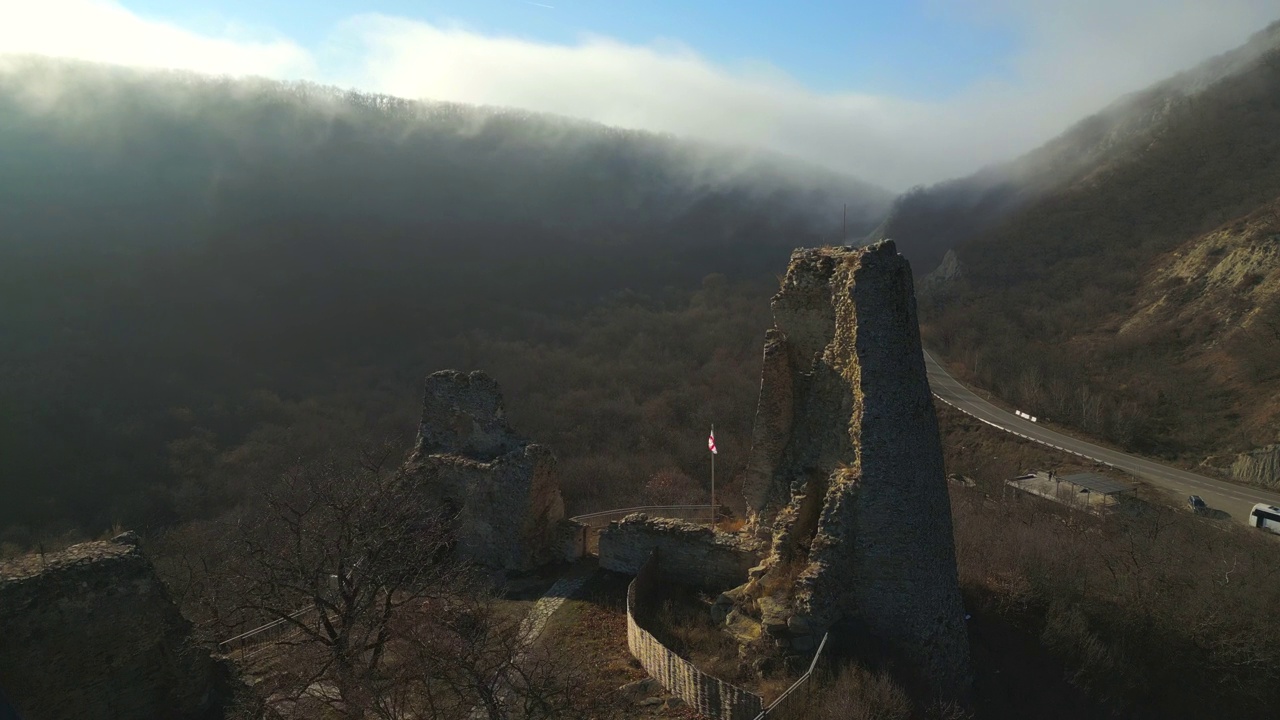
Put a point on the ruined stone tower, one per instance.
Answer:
(90, 633)
(503, 488)
(845, 477)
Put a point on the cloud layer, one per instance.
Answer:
(104, 31)
(1076, 57)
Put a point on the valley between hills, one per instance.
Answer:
(219, 299)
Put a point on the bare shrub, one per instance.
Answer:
(683, 623)
(856, 693)
(1150, 611)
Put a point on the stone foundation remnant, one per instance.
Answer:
(504, 489)
(845, 478)
(688, 553)
(89, 633)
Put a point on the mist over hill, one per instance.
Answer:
(1091, 288)
(928, 221)
(174, 244)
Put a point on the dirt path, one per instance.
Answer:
(535, 622)
(563, 589)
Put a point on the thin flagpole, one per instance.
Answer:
(713, 482)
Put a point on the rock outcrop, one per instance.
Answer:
(942, 276)
(846, 477)
(90, 633)
(688, 553)
(504, 489)
(1258, 467)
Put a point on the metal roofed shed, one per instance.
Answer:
(1096, 483)
(1087, 491)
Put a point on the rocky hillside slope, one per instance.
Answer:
(1132, 300)
(927, 221)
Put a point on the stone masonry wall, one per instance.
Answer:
(775, 412)
(689, 553)
(89, 633)
(894, 532)
(855, 503)
(504, 489)
(709, 696)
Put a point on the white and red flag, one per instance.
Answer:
(711, 442)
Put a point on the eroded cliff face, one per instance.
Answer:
(1258, 467)
(90, 633)
(846, 477)
(504, 489)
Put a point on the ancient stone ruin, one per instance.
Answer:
(845, 479)
(89, 632)
(689, 553)
(504, 489)
(849, 523)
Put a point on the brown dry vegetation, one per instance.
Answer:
(683, 623)
(1149, 612)
(592, 626)
(1184, 368)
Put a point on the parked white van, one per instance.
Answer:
(1266, 517)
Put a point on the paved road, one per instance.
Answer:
(1235, 500)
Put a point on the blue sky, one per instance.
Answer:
(916, 49)
(897, 93)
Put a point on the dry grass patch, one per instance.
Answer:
(592, 627)
(682, 622)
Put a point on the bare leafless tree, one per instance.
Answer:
(337, 551)
(467, 657)
(392, 623)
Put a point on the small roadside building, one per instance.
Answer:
(1085, 491)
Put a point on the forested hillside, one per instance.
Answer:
(204, 278)
(928, 221)
(1101, 303)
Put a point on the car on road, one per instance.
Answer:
(1197, 505)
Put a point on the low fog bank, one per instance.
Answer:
(1070, 60)
(928, 221)
(550, 170)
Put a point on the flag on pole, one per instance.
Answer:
(711, 442)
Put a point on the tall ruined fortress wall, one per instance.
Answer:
(89, 633)
(903, 552)
(846, 477)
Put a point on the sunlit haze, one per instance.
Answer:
(898, 95)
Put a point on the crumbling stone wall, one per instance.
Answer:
(775, 413)
(90, 633)
(572, 539)
(690, 554)
(846, 480)
(504, 489)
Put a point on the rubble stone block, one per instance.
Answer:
(89, 633)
